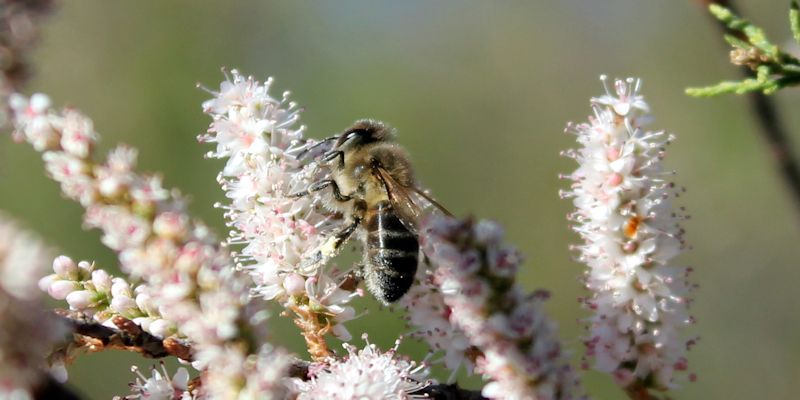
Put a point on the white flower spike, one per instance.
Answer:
(623, 199)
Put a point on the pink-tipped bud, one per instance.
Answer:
(59, 290)
(44, 283)
(86, 266)
(294, 284)
(79, 300)
(143, 322)
(123, 305)
(120, 287)
(65, 267)
(171, 225)
(101, 280)
(161, 328)
(111, 186)
(614, 179)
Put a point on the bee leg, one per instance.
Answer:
(334, 243)
(308, 149)
(331, 155)
(317, 186)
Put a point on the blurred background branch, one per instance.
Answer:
(766, 69)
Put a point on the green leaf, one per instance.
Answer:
(794, 20)
(754, 34)
(737, 87)
(736, 42)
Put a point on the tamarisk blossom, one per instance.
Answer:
(27, 333)
(102, 296)
(258, 136)
(184, 269)
(160, 386)
(364, 373)
(429, 317)
(518, 348)
(631, 233)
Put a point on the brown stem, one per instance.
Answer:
(639, 391)
(766, 113)
(313, 331)
(128, 336)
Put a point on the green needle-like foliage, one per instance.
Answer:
(794, 21)
(774, 68)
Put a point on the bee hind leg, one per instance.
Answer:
(317, 186)
(334, 243)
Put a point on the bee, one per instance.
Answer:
(374, 188)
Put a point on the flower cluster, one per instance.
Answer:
(265, 374)
(185, 270)
(364, 374)
(160, 386)
(101, 296)
(429, 316)
(27, 334)
(624, 215)
(519, 350)
(256, 133)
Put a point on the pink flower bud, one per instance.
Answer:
(101, 280)
(111, 186)
(65, 267)
(59, 290)
(120, 287)
(294, 284)
(123, 305)
(44, 283)
(614, 179)
(79, 300)
(86, 266)
(171, 225)
(161, 328)
(143, 322)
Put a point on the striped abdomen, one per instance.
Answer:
(392, 252)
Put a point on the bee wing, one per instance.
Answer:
(410, 203)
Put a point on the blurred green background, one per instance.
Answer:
(480, 92)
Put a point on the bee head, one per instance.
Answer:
(365, 131)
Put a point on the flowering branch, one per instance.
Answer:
(631, 233)
(256, 133)
(774, 68)
(772, 127)
(126, 335)
(184, 269)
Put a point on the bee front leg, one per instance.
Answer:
(331, 155)
(317, 186)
